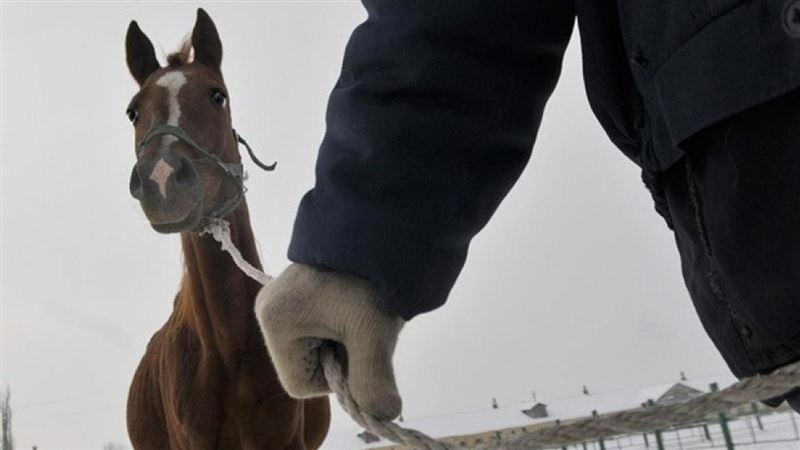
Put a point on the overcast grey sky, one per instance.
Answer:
(575, 281)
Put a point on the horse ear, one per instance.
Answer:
(140, 54)
(206, 43)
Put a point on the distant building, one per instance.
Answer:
(678, 393)
(536, 411)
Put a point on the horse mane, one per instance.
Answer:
(183, 55)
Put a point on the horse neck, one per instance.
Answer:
(216, 297)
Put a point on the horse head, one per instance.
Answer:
(188, 166)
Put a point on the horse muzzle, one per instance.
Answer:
(169, 191)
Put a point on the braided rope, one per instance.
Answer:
(639, 420)
(220, 230)
(337, 381)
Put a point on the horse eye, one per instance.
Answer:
(219, 98)
(133, 114)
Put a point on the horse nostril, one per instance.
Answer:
(136, 184)
(184, 171)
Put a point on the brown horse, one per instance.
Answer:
(205, 381)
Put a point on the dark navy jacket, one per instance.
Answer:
(439, 101)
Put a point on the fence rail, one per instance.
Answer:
(651, 419)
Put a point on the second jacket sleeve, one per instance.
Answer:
(430, 124)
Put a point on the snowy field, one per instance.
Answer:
(776, 431)
(781, 431)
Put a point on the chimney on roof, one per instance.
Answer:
(585, 390)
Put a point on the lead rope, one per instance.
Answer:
(337, 381)
(220, 230)
(640, 420)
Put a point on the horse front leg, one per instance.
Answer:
(147, 428)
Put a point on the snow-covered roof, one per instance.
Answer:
(486, 420)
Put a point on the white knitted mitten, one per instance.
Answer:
(306, 306)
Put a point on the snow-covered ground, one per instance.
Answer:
(781, 432)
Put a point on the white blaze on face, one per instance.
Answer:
(160, 174)
(172, 82)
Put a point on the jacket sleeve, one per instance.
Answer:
(431, 122)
